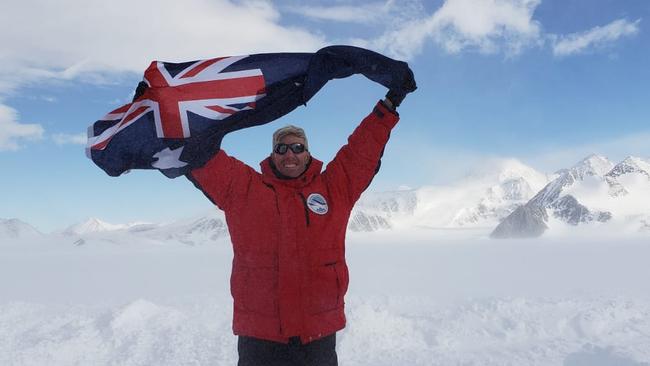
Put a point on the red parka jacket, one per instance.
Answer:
(289, 274)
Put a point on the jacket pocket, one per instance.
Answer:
(255, 290)
(327, 288)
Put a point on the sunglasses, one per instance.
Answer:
(296, 148)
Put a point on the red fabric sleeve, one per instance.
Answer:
(357, 162)
(222, 178)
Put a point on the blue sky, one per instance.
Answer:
(544, 81)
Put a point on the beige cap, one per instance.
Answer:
(289, 130)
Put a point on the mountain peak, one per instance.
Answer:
(593, 164)
(496, 171)
(637, 162)
(92, 225)
(17, 229)
(631, 164)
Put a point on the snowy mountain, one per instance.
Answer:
(13, 230)
(628, 167)
(380, 211)
(202, 229)
(510, 185)
(197, 230)
(480, 200)
(594, 191)
(592, 165)
(93, 225)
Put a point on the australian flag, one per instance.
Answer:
(183, 110)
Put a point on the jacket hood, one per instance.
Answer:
(269, 177)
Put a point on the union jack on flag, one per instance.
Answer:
(178, 123)
(200, 87)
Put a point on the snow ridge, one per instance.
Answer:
(198, 230)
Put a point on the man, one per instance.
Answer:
(287, 227)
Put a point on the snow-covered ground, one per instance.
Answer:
(418, 298)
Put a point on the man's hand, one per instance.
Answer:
(396, 95)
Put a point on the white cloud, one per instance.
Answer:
(481, 23)
(596, 37)
(65, 139)
(435, 164)
(11, 131)
(68, 38)
(364, 13)
(488, 26)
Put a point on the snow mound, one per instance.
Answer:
(140, 333)
(381, 331)
(509, 331)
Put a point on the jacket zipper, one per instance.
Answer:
(277, 203)
(304, 203)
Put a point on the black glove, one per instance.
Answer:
(407, 85)
(139, 90)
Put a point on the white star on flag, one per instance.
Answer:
(168, 159)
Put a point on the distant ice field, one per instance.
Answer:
(417, 298)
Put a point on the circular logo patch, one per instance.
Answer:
(317, 203)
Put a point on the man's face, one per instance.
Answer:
(291, 164)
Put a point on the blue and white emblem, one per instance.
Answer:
(317, 204)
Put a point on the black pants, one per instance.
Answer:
(259, 352)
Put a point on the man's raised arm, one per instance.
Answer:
(221, 178)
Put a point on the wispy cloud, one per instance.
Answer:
(486, 26)
(594, 38)
(66, 139)
(12, 131)
(363, 13)
(616, 149)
